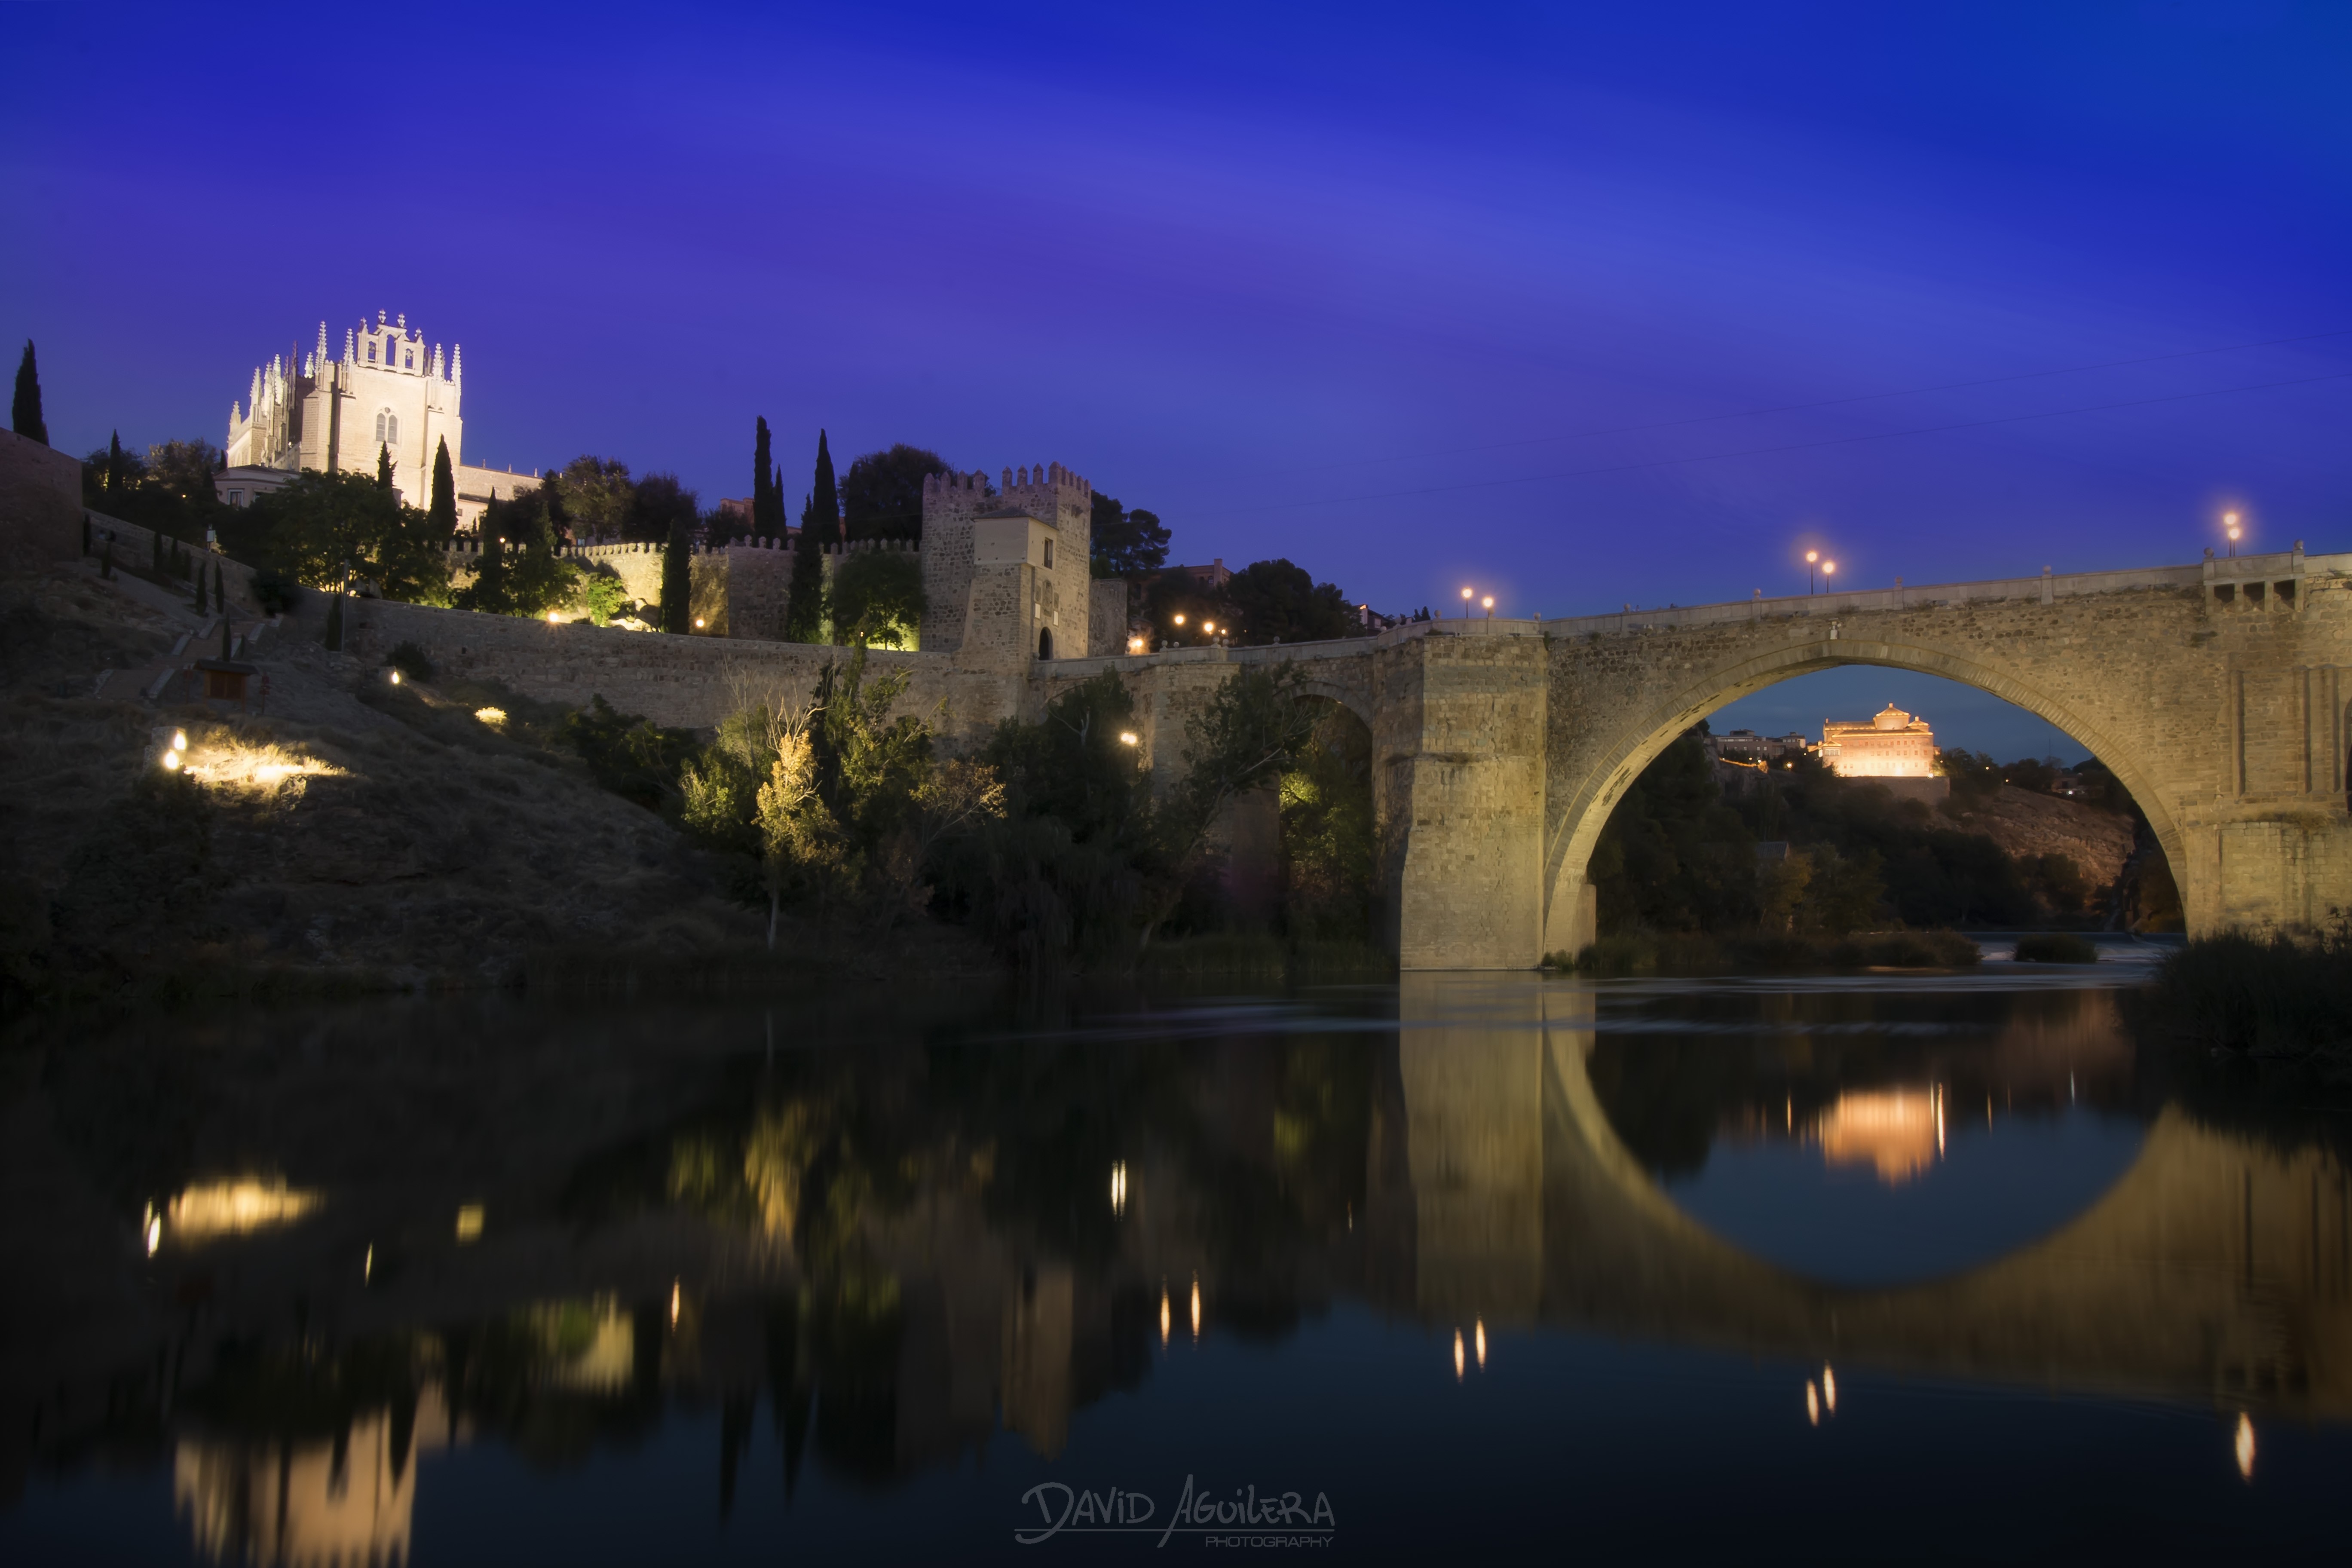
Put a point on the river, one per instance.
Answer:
(1493, 1267)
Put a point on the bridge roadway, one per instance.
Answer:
(2216, 1268)
(2215, 691)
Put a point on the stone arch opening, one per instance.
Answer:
(1331, 851)
(1570, 914)
(1044, 642)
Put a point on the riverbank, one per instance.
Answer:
(1647, 953)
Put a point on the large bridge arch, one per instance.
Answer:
(1617, 760)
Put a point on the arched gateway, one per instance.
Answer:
(2215, 692)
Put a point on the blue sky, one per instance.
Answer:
(1584, 305)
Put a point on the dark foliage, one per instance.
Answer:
(1125, 543)
(633, 757)
(882, 493)
(25, 416)
(1274, 600)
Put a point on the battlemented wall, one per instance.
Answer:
(1020, 599)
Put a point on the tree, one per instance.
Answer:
(661, 509)
(186, 469)
(804, 606)
(767, 499)
(821, 513)
(800, 844)
(122, 470)
(878, 598)
(25, 413)
(383, 467)
(600, 501)
(521, 570)
(1125, 543)
(678, 582)
(441, 513)
(324, 528)
(1274, 600)
(882, 494)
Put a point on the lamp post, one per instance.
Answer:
(2229, 522)
(1465, 603)
(1489, 602)
(1829, 570)
(1811, 556)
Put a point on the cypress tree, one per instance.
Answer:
(824, 505)
(441, 516)
(676, 583)
(804, 598)
(114, 475)
(334, 638)
(25, 414)
(767, 500)
(383, 467)
(228, 645)
(204, 591)
(220, 594)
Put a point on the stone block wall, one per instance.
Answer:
(1107, 617)
(135, 546)
(40, 504)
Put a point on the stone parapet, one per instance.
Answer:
(40, 503)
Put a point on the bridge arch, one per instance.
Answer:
(1644, 731)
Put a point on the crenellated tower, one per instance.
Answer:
(1006, 566)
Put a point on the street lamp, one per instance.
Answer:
(2229, 522)
(1811, 556)
(1489, 602)
(1829, 570)
(1465, 603)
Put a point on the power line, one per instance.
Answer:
(1789, 446)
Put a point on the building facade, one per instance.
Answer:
(1008, 572)
(1892, 744)
(388, 393)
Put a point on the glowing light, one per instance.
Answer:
(179, 739)
(1209, 627)
(554, 619)
(1196, 1308)
(1488, 602)
(1129, 738)
(234, 1209)
(1811, 556)
(495, 717)
(2246, 1446)
(677, 1293)
(1829, 568)
(1897, 1133)
(367, 1266)
(1466, 595)
(1812, 1405)
(1457, 1355)
(1163, 1311)
(154, 1233)
(1939, 1121)
(469, 1223)
(1135, 645)
(1829, 1390)
(698, 623)
(1180, 620)
(1481, 1340)
(170, 761)
(1119, 1188)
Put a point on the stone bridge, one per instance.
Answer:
(2216, 693)
(2216, 1268)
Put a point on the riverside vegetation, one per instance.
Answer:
(1865, 879)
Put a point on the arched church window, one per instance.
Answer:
(380, 418)
(392, 428)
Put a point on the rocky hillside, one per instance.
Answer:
(355, 834)
(2025, 823)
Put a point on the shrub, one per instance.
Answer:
(275, 592)
(409, 661)
(2055, 947)
(2264, 997)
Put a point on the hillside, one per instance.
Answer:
(2026, 822)
(355, 835)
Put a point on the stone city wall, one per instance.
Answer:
(691, 682)
(40, 503)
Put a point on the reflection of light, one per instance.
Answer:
(1196, 1306)
(154, 1233)
(1482, 1341)
(1812, 1405)
(233, 1208)
(1829, 1390)
(1939, 1128)
(2246, 1446)
(1897, 1132)
(1119, 1188)
(675, 1287)
(367, 1266)
(469, 1222)
(1457, 1355)
(1163, 1311)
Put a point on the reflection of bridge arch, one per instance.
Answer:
(2212, 1269)
(1615, 762)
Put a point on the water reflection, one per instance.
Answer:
(877, 1261)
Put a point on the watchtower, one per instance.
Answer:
(1006, 568)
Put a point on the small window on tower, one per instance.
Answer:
(1049, 555)
(371, 352)
(380, 418)
(408, 359)
(391, 429)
